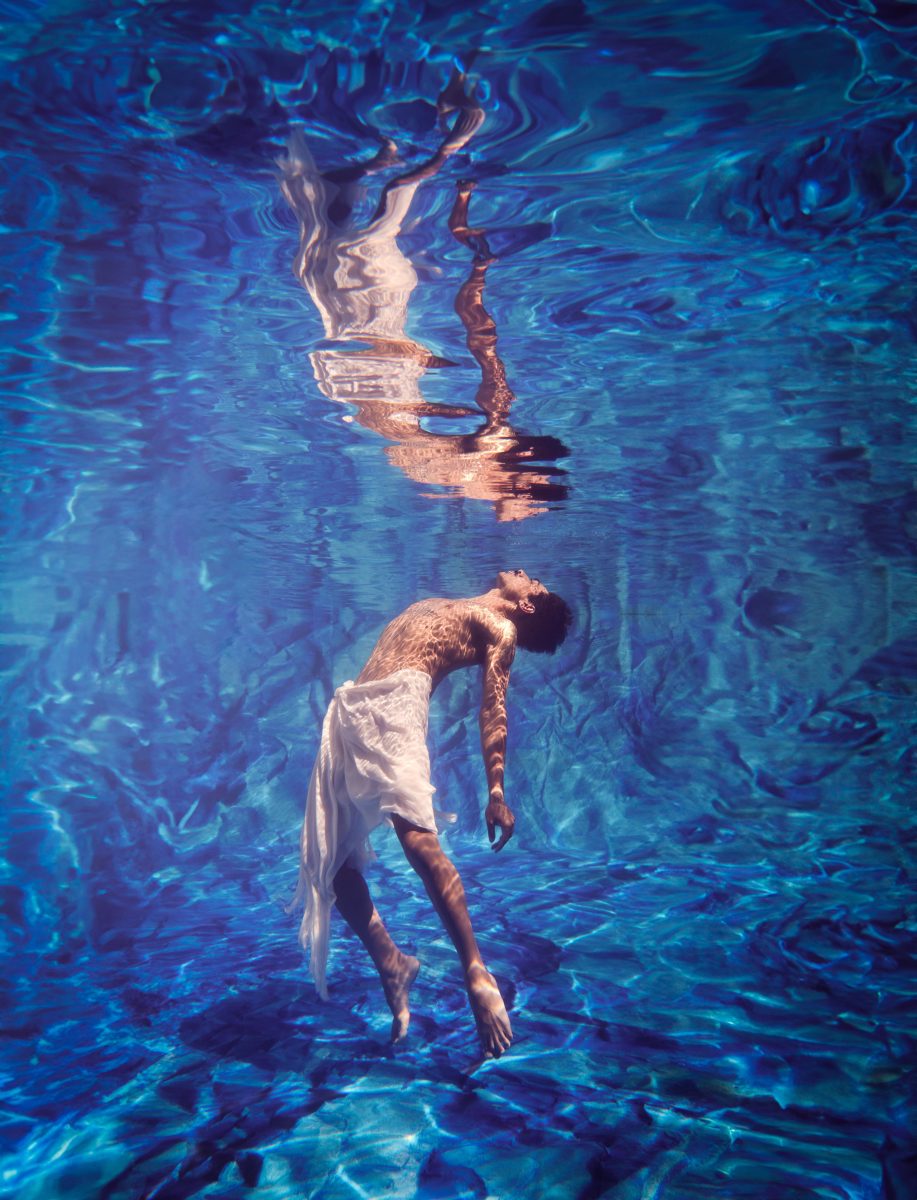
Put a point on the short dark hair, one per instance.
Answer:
(544, 629)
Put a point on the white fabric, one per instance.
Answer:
(358, 279)
(361, 284)
(373, 762)
(365, 378)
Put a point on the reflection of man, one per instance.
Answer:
(361, 283)
(373, 766)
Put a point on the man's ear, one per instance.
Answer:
(526, 606)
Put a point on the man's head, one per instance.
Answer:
(541, 617)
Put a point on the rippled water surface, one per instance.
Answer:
(692, 234)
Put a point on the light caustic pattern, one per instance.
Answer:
(662, 359)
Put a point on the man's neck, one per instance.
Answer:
(496, 602)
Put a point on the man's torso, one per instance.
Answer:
(436, 636)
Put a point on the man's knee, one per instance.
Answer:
(421, 846)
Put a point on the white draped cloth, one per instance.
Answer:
(360, 282)
(373, 762)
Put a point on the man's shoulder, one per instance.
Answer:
(497, 628)
(493, 627)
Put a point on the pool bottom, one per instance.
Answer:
(679, 1032)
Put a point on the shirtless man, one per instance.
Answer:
(373, 766)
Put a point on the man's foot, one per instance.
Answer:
(467, 123)
(396, 984)
(490, 1013)
(386, 156)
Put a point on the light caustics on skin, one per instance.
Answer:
(361, 284)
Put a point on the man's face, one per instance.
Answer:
(519, 587)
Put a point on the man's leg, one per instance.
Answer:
(444, 887)
(494, 396)
(346, 179)
(396, 970)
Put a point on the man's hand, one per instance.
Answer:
(496, 814)
(458, 97)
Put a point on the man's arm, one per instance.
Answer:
(498, 659)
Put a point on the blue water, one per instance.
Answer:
(701, 229)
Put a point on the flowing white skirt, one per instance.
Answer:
(373, 762)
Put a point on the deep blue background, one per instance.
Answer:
(705, 226)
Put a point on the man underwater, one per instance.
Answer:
(374, 766)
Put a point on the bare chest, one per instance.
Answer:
(434, 636)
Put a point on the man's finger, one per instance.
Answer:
(491, 830)
(506, 835)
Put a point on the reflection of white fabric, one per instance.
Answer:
(367, 378)
(373, 762)
(359, 280)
